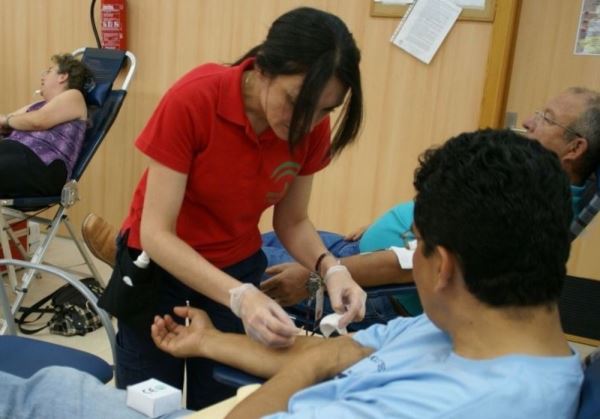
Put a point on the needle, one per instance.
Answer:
(187, 317)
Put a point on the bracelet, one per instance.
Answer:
(320, 259)
(335, 268)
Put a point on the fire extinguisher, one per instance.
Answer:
(114, 27)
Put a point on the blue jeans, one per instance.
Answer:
(378, 309)
(335, 243)
(60, 392)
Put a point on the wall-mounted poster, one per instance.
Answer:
(588, 31)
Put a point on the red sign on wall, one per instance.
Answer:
(114, 24)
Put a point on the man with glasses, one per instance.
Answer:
(569, 125)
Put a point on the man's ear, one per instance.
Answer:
(577, 148)
(446, 267)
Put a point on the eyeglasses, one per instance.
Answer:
(550, 121)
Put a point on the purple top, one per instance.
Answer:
(61, 142)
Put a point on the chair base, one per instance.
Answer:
(60, 217)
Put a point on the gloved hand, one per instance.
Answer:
(346, 296)
(264, 320)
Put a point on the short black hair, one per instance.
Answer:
(501, 203)
(318, 44)
(79, 74)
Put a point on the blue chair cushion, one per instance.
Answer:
(24, 357)
(97, 94)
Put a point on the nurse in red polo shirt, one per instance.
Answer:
(225, 143)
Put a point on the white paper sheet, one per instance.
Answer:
(425, 26)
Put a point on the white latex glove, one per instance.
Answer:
(264, 320)
(346, 296)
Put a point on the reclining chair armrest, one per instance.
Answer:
(24, 356)
(233, 377)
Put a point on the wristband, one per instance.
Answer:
(320, 259)
(235, 298)
(334, 269)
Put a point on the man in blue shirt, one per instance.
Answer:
(489, 266)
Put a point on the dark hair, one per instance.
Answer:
(318, 44)
(502, 205)
(79, 74)
(588, 125)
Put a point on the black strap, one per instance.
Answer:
(35, 308)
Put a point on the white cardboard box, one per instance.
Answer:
(153, 398)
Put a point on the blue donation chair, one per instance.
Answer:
(104, 104)
(23, 356)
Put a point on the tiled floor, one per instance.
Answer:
(63, 253)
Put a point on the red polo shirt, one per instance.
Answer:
(200, 128)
